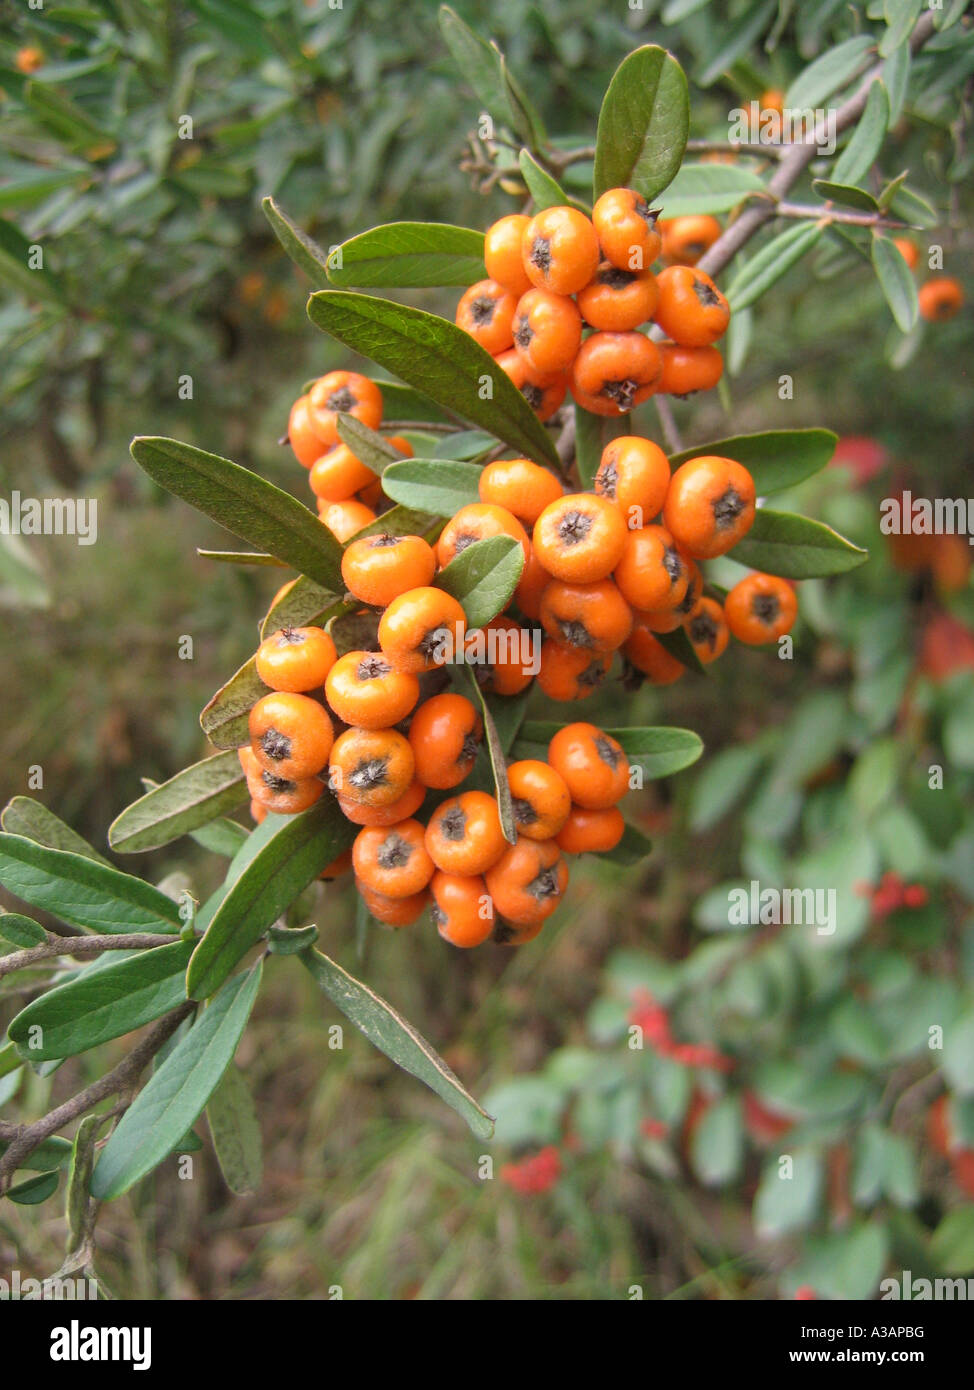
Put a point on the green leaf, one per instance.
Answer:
(34, 1190)
(404, 403)
(173, 1098)
(479, 62)
(710, 188)
(95, 1006)
(913, 209)
(896, 79)
(901, 17)
(292, 858)
(305, 253)
(525, 117)
(15, 267)
(678, 644)
(732, 42)
(722, 783)
(466, 446)
(62, 116)
(643, 124)
(398, 1039)
(952, 1243)
(631, 849)
(772, 261)
(546, 192)
(22, 932)
(409, 255)
(440, 359)
(896, 281)
(860, 153)
(242, 557)
(846, 195)
(958, 1058)
(192, 798)
(786, 1203)
(235, 1130)
(29, 818)
(437, 486)
(483, 577)
(367, 445)
(245, 504)
(658, 751)
(496, 754)
(843, 1265)
(51, 1154)
(79, 1179)
(221, 836)
(717, 1143)
(82, 892)
(832, 71)
(224, 719)
(775, 459)
(306, 604)
(796, 547)
(32, 185)
(287, 941)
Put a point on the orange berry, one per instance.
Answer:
(345, 519)
(371, 766)
(445, 735)
(591, 832)
(365, 690)
(478, 521)
(464, 834)
(520, 486)
(547, 330)
(580, 537)
(392, 860)
(486, 312)
(295, 658)
(613, 372)
(691, 309)
(651, 573)
(593, 764)
(634, 473)
(619, 300)
(707, 630)
(689, 369)
(422, 629)
(302, 438)
(709, 506)
(560, 250)
(462, 909)
(528, 881)
(570, 673)
(626, 228)
(760, 608)
(379, 568)
(343, 393)
(651, 658)
(290, 735)
(540, 798)
(502, 253)
(595, 617)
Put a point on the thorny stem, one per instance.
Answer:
(795, 160)
(81, 946)
(23, 1139)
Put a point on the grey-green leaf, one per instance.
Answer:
(304, 252)
(796, 547)
(437, 358)
(246, 504)
(31, 819)
(867, 139)
(483, 577)
(896, 281)
(193, 797)
(409, 255)
(107, 1003)
(438, 486)
(771, 262)
(81, 891)
(235, 1130)
(291, 859)
(396, 1037)
(643, 124)
(171, 1101)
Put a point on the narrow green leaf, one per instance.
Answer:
(796, 547)
(829, 73)
(409, 255)
(291, 859)
(710, 188)
(438, 486)
(83, 892)
(546, 191)
(224, 719)
(901, 17)
(63, 116)
(22, 932)
(76, 1196)
(478, 61)
(235, 1130)
(16, 260)
(643, 124)
(525, 117)
(483, 577)
(245, 504)
(896, 79)
(897, 282)
(912, 208)
(193, 797)
(306, 254)
(392, 1034)
(220, 837)
(29, 818)
(730, 42)
(867, 139)
(404, 403)
(775, 459)
(770, 263)
(496, 753)
(465, 446)
(50, 1155)
(33, 1191)
(96, 1006)
(367, 445)
(174, 1097)
(242, 557)
(846, 195)
(287, 941)
(439, 358)
(306, 604)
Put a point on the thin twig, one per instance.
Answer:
(795, 160)
(81, 946)
(828, 212)
(22, 1140)
(747, 147)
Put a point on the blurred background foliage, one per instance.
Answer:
(159, 265)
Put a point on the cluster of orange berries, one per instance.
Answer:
(560, 273)
(604, 572)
